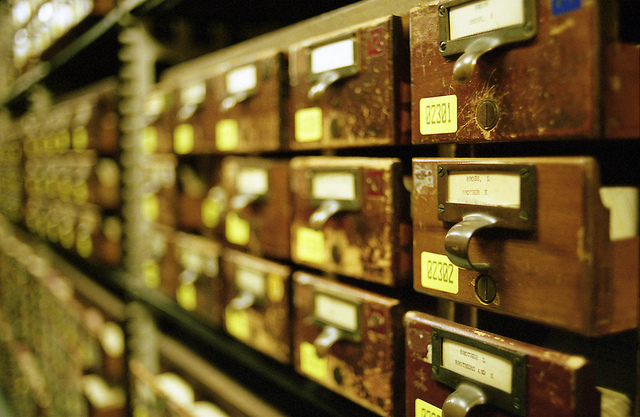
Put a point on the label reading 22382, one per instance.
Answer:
(438, 273)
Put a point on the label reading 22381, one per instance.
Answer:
(438, 115)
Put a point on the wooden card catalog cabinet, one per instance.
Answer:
(349, 89)
(350, 341)
(455, 370)
(257, 306)
(248, 106)
(526, 237)
(351, 217)
(521, 70)
(258, 211)
(200, 287)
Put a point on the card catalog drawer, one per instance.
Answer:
(248, 107)
(351, 217)
(521, 70)
(258, 211)
(348, 89)
(543, 250)
(257, 306)
(349, 340)
(200, 287)
(457, 370)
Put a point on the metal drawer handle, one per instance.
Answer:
(327, 338)
(462, 400)
(243, 301)
(323, 83)
(231, 101)
(456, 243)
(464, 66)
(327, 209)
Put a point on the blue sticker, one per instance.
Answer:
(564, 6)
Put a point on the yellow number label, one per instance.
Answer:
(424, 409)
(438, 115)
(186, 296)
(227, 135)
(183, 138)
(211, 212)
(237, 230)
(438, 273)
(311, 364)
(237, 323)
(310, 245)
(308, 124)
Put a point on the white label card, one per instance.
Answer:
(194, 93)
(482, 16)
(333, 56)
(477, 365)
(241, 79)
(335, 311)
(484, 188)
(333, 185)
(253, 181)
(251, 281)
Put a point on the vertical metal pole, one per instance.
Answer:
(137, 75)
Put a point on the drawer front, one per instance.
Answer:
(249, 105)
(199, 286)
(346, 87)
(351, 217)
(450, 367)
(258, 211)
(346, 339)
(524, 237)
(191, 117)
(257, 304)
(536, 73)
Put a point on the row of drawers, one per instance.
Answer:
(493, 233)
(374, 84)
(369, 347)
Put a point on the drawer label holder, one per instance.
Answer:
(475, 196)
(459, 361)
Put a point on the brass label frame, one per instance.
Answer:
(521, 218)
(349, 205)
(353, 336)
(515, 402)
(510, 34)
(343, 72)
